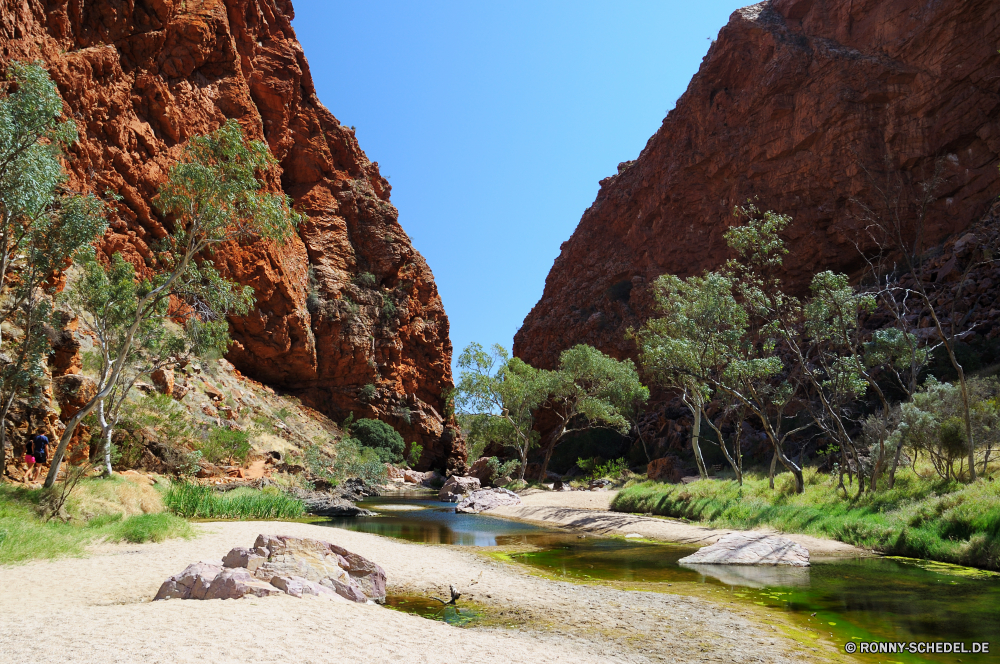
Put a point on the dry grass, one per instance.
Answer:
(120, 494)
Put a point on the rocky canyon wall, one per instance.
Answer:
(794, 102)
(348, 316)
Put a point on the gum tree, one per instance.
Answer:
(588, 390)
(688, 346)
(212, 196)
(42, 227)
(502, 393)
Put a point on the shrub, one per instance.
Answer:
(367, 393)
(380, 437)
(354, 460)
(226, 444)
(366, 279)
(415, 453)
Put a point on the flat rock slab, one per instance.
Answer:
(487, 499)
(751, 548)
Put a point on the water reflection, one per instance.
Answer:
(753, 577)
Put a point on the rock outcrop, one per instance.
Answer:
(795, 99)
(348, 316)
(456, 487)
(293, 565)
(487, 499)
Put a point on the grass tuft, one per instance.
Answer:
(195, 501)
(918, 518)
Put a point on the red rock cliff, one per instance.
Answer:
(790, 99)
(348, 316)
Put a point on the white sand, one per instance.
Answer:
(98, 609)
(588, 511)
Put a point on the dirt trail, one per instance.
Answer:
(589, 511)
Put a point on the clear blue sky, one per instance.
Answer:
(495, 121)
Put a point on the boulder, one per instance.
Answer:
(751, 548)
(487, 499)
(324, 563)
(456, 487)
(293, 565)
(326, 504)
(296, 586)
(243, 557)
(667, 469)
(236, 583)
(163, 379)
(481, 470)
(195, 576)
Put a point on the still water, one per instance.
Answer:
(856, 599)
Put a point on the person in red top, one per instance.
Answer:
(36, 456)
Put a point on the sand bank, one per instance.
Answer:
(98, 609)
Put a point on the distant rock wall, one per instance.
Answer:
(348, 316)
(793, 98)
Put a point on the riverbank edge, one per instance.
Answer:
(669, 531)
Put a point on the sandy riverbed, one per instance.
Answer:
(98, 609)
(589, 511)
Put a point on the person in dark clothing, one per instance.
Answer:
(37, 455)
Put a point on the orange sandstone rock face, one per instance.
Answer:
(348, 316)
(792, 100)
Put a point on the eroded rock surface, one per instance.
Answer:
(275, 564)
(793, 98)
(348, 302)
(487, 499)
(456, 487)
(751, 548)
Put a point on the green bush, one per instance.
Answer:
(367, 392)
(226, 444)
(380, 437)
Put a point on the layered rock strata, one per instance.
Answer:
(348, 316)
(798, 104)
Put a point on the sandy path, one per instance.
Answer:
(97, 608)
(589, 511)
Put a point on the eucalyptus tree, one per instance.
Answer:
(105, 301)
(32, 138)
(502, 393)
(213, 195)
(689, 345)
(42, 227)
(843, 362)
(589, 390)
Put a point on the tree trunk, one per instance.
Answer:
(696, 437)
(895, 465)
(774, 462)
(106, 431)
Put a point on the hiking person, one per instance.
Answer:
(36, 456)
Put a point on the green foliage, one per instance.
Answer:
(367, 392)
(354, 460)
(24, 536)
(212, 195)
(149, 528)
(597, 468)
(388, 309)
(380, 437)
(931, 425)
(226, 444)
(416, 451)
(936, 520)
(503, 392)
(596, 388)
(366, 279)
(196, 501)
(41, 226)
(500, 469)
